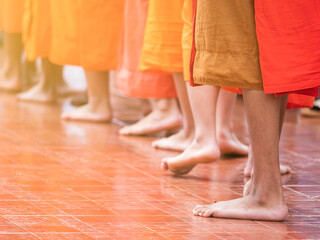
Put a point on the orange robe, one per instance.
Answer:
(288, 33)
(37, 28)
(130, 80)
(11, 12)
(218, 55)
(86, 33)
(162, 48)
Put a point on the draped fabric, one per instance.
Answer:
(11, 12)
(86, 33)
(230, 44)
(130, 80)
(37, 28)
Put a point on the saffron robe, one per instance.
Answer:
(226, 51)
(11, 12)
(162, 47)
(130, 80)
(37, 28)
(86, 33)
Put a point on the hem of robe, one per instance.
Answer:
(98, 68)
(145, 94)
(61, 63)
(152, 66)
(227, 69)
(228, 83)
(85, 67)
(146, 85)
(83, 40)
(285, 88)
(33, 57)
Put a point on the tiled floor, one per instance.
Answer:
(66, 180)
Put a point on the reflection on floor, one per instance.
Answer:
(66, 180)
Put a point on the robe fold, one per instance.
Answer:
(86, 33)
(11, 12)
(130, 80)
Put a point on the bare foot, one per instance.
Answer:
(177, 142)
(156, 121)
(88, 113)
(11, 84)
(247, 207)
(229, 144)
(38, 94)
(284, 169)
(196, 153)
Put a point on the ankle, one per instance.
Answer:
(98, 104)
(166, 105)
(206, 140)
(265, 196)
(187, 130)
(223, 133)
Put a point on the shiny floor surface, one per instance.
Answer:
(67, 180)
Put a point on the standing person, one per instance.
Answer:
(86, 33)
(11, 12)
(209, 132)
(157, 86)
(37, 42)
(226, 46)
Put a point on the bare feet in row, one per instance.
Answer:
(10, 75)
(89, 114)
(38, 94)
(176, 142)
(165, 116)
(198, 152)
(41, 94)
(10, 81)
(248, 207)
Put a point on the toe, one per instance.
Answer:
(197, 210)
(65, 115)
(124, 131)
(164, 164)
(208, 213)
(155, 144)
(202, 211)
(197, 207)
(287, 170)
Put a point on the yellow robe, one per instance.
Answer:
(162, 49)
(11, 12)
(86, 33)
(37, 28)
